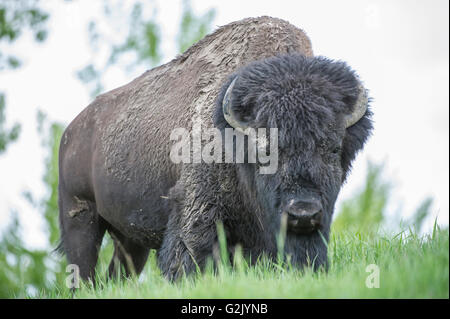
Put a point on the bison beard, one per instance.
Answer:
(115, 173)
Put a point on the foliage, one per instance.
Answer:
(421, 213)
(141, 40)
(193, 28)
(15, 17)
(366, 210)
(26, 271)
(22, 269)
(6, 135)
(141, 44)
(51, 133)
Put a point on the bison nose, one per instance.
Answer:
(304, 216)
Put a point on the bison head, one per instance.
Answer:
(321, 111)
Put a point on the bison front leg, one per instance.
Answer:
(186, 247)
(197, 203)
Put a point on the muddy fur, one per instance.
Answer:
(116, 174)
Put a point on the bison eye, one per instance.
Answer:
(336, 150)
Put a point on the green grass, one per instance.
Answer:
(411, 266)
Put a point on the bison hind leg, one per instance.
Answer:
(82, 231)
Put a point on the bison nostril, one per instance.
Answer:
(316, 216)
(315, 219)
(293, 222)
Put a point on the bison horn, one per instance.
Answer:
(228, 112)
(360, 107)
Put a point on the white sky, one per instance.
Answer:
(399, 48)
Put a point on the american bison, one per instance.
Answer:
(116, 172)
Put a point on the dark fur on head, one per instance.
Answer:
(303, 97)
(306, 98)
